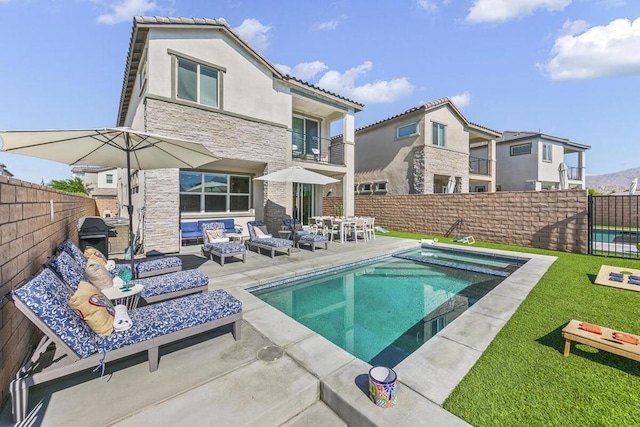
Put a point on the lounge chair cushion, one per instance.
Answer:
(73, 274)
(141, 266)
(94, 308)
(274, 242)
(170, 316)
(98, 275)
(225, 248)
(308, 237)
(48, 298)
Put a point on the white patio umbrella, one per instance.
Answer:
(564, 180)
(298, 175)
(451, 186)
(109, 147)
(634, 186)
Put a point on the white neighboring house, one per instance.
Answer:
(529, 161)
(103, 186)
(195, 79)
(4, 171)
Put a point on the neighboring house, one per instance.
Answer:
(195, 79)
(102, 183)
(529, 161)
(419, 150)
(4, 171)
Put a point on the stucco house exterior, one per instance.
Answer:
(419, 150)
(195, 79)
(529, 161)
(102, 183)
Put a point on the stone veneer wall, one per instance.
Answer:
(224, 135)
(28, 237)
(554, 220)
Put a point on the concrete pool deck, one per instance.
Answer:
(301, 379)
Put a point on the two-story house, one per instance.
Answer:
(426, 149)
(530, 161)
(195, 79)
(102, 183)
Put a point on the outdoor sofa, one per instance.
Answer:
(190, 230)
(143, 267)
(45, 301)
(156, 288)
(259, 239)
(219, 245)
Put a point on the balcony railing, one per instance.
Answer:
(316, 149)
(574, 173)
(478, 166)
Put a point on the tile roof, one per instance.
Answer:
(138, 35)
(425, 107)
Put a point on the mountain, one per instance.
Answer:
(617, 182)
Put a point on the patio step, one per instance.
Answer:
(258, 394)
(316, 415)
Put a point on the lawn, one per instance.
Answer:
(522, 379)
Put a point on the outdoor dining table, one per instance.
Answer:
(345, 224)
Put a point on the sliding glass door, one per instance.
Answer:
(304, 206)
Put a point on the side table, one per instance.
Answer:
(284, 234)
(129, 298)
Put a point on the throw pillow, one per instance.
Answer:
(94, 308)
(260, 230)
(214, 234)
(91, 252)
(98, 275)
(220, 240)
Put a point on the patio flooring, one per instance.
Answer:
(214, 380)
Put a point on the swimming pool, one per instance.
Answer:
(382, 311)
(612, 235)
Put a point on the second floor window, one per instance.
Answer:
(407, 130)
(439, 134)
(109, 178)
(197, 83)
(546, 152)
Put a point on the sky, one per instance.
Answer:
(567, 68)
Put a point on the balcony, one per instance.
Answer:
(478, 166)
(317, 150)
(574, 173)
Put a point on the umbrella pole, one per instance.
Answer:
(130, 205)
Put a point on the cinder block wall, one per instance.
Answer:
(28, 236)
(554, 220)
(616, 211)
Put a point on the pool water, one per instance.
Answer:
(604, 235)
(384, 311)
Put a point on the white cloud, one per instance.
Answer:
(328, 25)
(581, 53)
(125, 10)
(304, 70)
(503, 10)
(461, 100)
(254, 33)
(427, 5)
(379, 92)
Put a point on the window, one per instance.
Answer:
(439, 134)
(142, 71)
(109, 178)
(380, 187)
(365, 188)
(407, 130)
(197, 83)
(546, 152)
(356, 189)
(214, 192)
(481, 189)
(518, 150)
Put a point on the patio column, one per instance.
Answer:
(582, 163)
(348, 132)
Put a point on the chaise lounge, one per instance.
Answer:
(143, 267)
(45, 301)
(260, 239)
(302, 237)
(157, 288)
(217, 243)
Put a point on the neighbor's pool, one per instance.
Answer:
(606, 235)
(383, 311)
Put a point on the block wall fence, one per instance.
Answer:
(556, 220)
(28, 237)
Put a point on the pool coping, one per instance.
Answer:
(427, 376)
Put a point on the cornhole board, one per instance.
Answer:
(572, 332)
(603, 277)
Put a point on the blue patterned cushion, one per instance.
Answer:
(141, 266)
(312, 238)
(252, 231)
(70, 248)
(155, 320)
(274, 241)
(48, 298)
(68, 269)
(172, 282)
(225, 247)
(147, 265)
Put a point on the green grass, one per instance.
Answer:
(522, 379)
